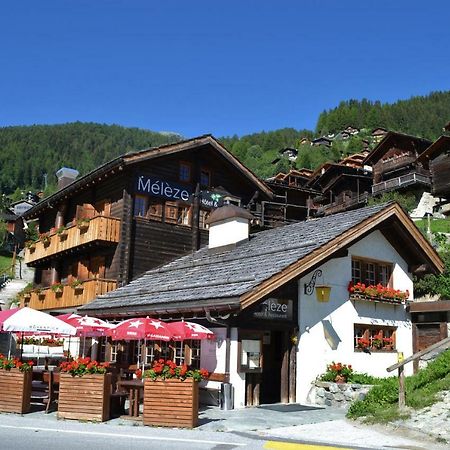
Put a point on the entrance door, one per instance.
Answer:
(273, 352)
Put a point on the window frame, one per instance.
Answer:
(188, 166)
(372, 276)
(370, 333)
(206, 171)
(145, 200)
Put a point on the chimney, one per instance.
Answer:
(228, 225)
(66, 176)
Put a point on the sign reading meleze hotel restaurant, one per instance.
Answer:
(160, 188)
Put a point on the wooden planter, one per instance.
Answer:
(171, 403)
(15, 389)
(84, 398)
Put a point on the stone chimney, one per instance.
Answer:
(228, 225)
(66, 176)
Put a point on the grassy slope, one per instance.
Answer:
(5, 262)
(422, 390)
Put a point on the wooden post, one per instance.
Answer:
(292, 372)
(196, 219)
(401, 387)
(256, 388)
(284, 385)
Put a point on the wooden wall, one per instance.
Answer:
(440, 173)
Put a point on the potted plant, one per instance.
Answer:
(178, 386)
(40, 293)
(83, 224)
(388, 343)
(31, 246)
(337, 372)
(84, 390)
(26, 293)
(77, 285)
(15, 385)
(62, 232)
(363, 344)
(57, 288)
(45, 239)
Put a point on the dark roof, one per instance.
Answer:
(135, 157)
(435, 149)
(402, 140)
(217, 279)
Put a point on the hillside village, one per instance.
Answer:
(306, 265)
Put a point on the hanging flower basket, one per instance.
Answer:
(62, 233)
(83, 225)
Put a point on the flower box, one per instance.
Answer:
(171, 403)
(84, 398)
(370, 298)
(15, 389)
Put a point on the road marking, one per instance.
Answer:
(127, 436)
(277, 445)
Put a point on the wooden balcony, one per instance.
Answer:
(69, 297)
(99, 230)
(401, 182)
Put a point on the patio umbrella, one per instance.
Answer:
(86, 326)
(189, 330)
(141, 328)
(28, 319)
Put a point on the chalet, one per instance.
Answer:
(321, 141)
(437, 157)
(289, 152)
(395, 165)
(343, 136)
(344, 186)
(378, 134)
(351, 130)
(285, 302)
(134, 213)
(305, 141)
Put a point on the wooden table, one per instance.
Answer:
(134, 388)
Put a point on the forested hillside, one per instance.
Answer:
(28, 153)
(420, 116)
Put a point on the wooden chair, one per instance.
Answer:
(117, 396)
(52, 379)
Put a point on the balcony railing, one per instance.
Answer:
(403, 181)
(343, 204)
(99, 229)
(68, 297)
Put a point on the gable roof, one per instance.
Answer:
(436, 148)
(132, 158)
(235, 278)
(395, 138)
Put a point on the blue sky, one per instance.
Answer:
(220, 67)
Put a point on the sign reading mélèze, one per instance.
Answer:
(160, 188)
(274, 308)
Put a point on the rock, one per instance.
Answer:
(320, 392)
(329, 396)
(334, 387)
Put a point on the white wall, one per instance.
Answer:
(228, 231)
(314, 352)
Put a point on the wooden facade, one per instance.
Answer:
(15, 388)
(133, 214)
(395, 164)
(437, 156)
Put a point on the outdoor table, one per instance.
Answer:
(134, 387)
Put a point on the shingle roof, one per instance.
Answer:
(222, 277)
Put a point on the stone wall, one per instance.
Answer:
(337, 394)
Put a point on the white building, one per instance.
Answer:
(259, 294)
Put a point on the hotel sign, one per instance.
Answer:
(211, 199)
(160, 188)
(274, 309)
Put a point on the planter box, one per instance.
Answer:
(171, 403)
(84, 398)
(15, 389)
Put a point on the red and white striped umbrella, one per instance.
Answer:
(141, 328)
(189, 330)
(87, 326)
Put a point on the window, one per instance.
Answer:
(371, 272)
(102, 348)
(202, 219)
(374, 338)
(195, 353)
(185, 172)
(205, 178)
(155, 350)
(140, 205)
(155, 210)
(178, 352)
(178, 213)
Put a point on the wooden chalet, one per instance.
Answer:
(343, 186)
(430, 323)
(256, 292)
(134, 213)
(437, 157)
(322, 141)
(378, 134)
(289, 152)
(395, 165)
(351, 130)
